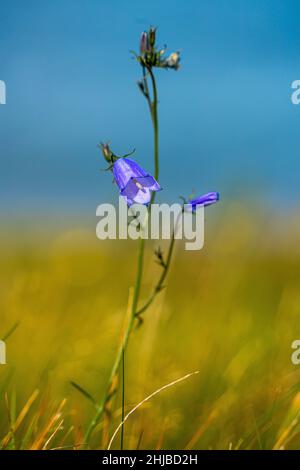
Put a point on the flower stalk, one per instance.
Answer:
(155, 127)
(137, 288)
(137, 186)
(116, 365)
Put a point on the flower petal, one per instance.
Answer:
(205, 200)
(149, 182)
(135, 194)
(134, 183)
(124, 169)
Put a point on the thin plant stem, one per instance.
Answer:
(118, 359)
(146, 93)
(123, 398)
(153, 394)
(159, 285)
(134, 309)
(154, 115)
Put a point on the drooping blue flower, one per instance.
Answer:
(205, 200)
(135, 184)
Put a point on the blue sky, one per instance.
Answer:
(226, 118)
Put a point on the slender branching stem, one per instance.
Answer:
(160, 284)
(123, 398)
(154, 115)
(146, 92)
(123, 346)
(134, 309)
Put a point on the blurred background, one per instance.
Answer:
(227, 123)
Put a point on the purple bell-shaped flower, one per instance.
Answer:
(135, 184)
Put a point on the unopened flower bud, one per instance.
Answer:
(152, 35)
(144, 43)
(107, 153)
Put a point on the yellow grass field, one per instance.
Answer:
(230, 311)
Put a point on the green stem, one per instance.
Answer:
(159, 286)
(118, 359)
(123, 398)
(155, 127)
(116, 365)
(147, 93)
(161, 280)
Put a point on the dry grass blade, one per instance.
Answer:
(84, 392)
(283, 438)
(10, 331)
(39, 441)
(58, 427)
(19, 419)
(204, 426)
(156, 392)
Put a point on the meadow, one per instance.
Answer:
(229, 311)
